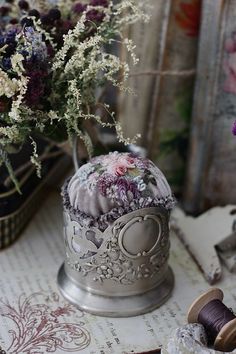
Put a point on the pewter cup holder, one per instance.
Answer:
(122, 271)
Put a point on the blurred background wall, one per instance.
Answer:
(185, 102)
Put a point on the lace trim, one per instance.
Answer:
(105, 220)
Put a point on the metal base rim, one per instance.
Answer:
(128, 306)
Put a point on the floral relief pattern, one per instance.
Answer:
(110, 262)
(40, 325)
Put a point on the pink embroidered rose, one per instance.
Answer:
(131, 161)
(118, 164)
(121, 170)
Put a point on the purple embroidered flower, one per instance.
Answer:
(105, 182)
(122, 185)
(234, 128)
(134, 190)
(142, 164)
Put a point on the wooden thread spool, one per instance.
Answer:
(225, 339)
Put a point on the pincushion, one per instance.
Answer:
(116, 232)
(112, 185)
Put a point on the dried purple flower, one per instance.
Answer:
(66, 26)
(2, 40)
(26, 22)
(36, 86)
(79, 8)
(46, 20)
(4, 104)
(10, 49)
(23, 5)
(95, 16)
(103, 3)
(34, 13)
(4, 10)
(6, 63)
(54, 14)
(14, 21)
(234, 128)
(11, 35)
(36, 44)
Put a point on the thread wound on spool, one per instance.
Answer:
(214, 316)
(218, 320)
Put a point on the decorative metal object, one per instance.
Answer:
(122, 271)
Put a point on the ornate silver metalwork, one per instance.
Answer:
(127, 260)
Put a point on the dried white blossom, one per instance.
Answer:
(8, 87)
(73, 74)
(17, 67)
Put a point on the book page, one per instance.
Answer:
(34, 317)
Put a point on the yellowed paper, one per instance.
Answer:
(34, 318)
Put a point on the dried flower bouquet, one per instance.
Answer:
(54, 55)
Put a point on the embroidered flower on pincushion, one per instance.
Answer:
(134, 190)
(141, 185)
(85, 171)
(105, 182)
(122, 185)
(113, 178)
(118, 164)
